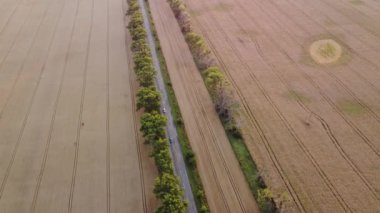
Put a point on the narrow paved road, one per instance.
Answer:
(179, 163)
(67, 137)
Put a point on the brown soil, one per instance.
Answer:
(320, 149)
(68, 141)
(224, 183)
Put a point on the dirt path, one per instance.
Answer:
(223, 180)
(313, 129)
(67, 136)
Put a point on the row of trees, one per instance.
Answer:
(218, 87)
(216, 83)
(167, 186)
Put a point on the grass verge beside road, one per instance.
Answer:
(167, 186)
(225, 104)
(192, 171)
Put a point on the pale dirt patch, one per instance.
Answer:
(326, 51)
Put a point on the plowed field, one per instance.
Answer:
(307, 74)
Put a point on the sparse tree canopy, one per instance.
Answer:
(197, 44)
(214, 80)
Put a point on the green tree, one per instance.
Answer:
(149, 99)
(138, 33)
(215, 80)
(169, 191)
(167, 184)
(163, 161)
(160, 144)
(172, 204)
(136, 20)
(153, 126)
(133, 7)
(197, 45)
(142, 61)
(264, 199)
(146, 76)
(221, 93)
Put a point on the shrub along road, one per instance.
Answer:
(223, 181)
(177, 157)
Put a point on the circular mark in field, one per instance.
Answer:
(325, 51)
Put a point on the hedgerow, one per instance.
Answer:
(167, 186)
(224, 101)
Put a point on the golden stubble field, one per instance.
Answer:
(308, 79)
(68, 135)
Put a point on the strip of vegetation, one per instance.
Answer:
(225, 104)
(190, 160)
(167, 187)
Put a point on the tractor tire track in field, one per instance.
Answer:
(64, 63)
(212, 166)
(132, 83)
(255, 124)
(80, 124)
(51, 128)
(14, 152)
(26, 56)
(207, 133)
(15, 37)
(333, 139)
(23, 61)
(286, 123)
(325, 124)
(326, 127)
(221, 155)
(293, 133)
(344, 86)
(10, 16)
(138, 142)
(336, 108)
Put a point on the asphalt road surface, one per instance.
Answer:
(179, 163)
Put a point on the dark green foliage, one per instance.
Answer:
(138, 32)
(224, 102)
(149, 99)
(169, 191)
(167, 187)
(195, 182)
(190, 158)
(163, 161)
(146, 76)
(153, 126)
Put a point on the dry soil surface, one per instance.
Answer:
(67, 133)
(313, 128)
(224, 183)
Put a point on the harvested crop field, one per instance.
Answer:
(307, 74)
(68, 136)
